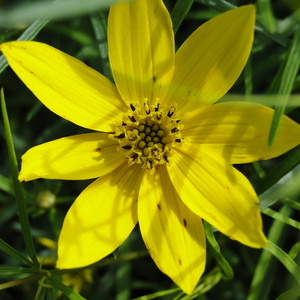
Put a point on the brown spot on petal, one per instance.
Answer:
(179, 261)
(158, 206)
(184, 222)
(97, 149)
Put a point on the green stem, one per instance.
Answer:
(21, 204)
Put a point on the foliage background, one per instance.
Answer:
(233, 272)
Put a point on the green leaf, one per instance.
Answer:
(265, 269)
(11, 251)
(288, 162)
(294, 250)
(180, 10)
(286, 84)
(214, 248)
(21, 203)
(13, 271)
(65, 289)
(287, 186)
(98, 21)
(32, 11)
(291, 294)
(266, 14)
(285, 259)
(282, 218)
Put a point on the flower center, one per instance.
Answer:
(147, 134)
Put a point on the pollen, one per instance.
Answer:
(147, 133)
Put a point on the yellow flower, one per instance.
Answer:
(166, 158)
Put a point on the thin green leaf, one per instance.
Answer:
(266, 14)
(13, 271)
(18, 282)
(282, 218)
(11, 251)
(279, 170)
(214, 248)
(291, 294)
(99, 24)
(285, 259)
(287, 187)
(207, 282)
(158, 294)
(265, 269)
(286, 84)
(180, 10)
(291, 202)
(29, 12)
(65, 289)
(294, 250)
(21, 204)
(28, 35)
(248, 78)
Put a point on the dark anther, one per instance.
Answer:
(158, 117)
(132, 118)
(147, 108)
(132, 107)
(177, 121)
(134, 156)
(124, 124)
(171, 112)
(174, 129)
(157, 107)
(120, 136)
(127, 147)
(149, 164)
(166, 158)
(178, 140)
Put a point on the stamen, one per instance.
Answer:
(171, 111)
(147, 108)
(147, 134)
(132, 107)
(132, 118)
(120, 136)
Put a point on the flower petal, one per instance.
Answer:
(83, 156)
(100, 219)
(141, 49)
(173, 234)
(65, 85)
(239, 131)
(218, 193)
(212, 58)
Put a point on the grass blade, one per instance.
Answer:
(285, 259)
(50, 10)
(21, 204)
(180, 10)
(286, 84)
